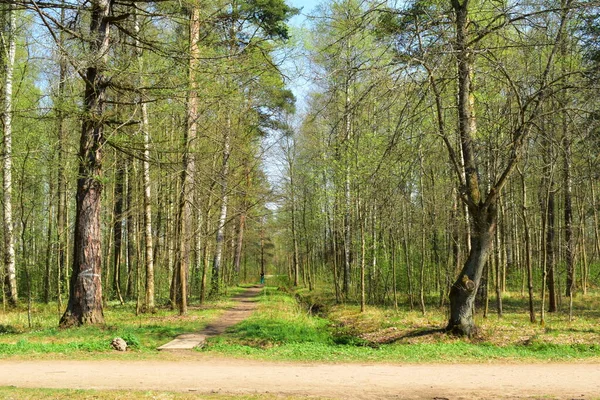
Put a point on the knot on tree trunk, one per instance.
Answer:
(468, 284)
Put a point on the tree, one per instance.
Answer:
(85, 294)
(9, 49)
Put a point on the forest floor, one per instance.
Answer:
(198, 374)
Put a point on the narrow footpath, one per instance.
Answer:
(244, 306)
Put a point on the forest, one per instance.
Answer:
(423, 154)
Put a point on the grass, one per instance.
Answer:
(11, 393)
(284, 329)
(305, 326)
(143, 333)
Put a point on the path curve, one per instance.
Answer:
(337, 381)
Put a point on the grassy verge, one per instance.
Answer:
(10, 393)
(285, 330)
(303, 327)
(144, 333)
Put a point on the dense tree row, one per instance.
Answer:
(132, 148)
(450, 149)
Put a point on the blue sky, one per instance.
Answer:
(306, 5)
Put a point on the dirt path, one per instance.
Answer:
(202, 374)
(337, 381)
(244, 306)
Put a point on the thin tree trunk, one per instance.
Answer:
(184, 219)
(296, 256)
(148, 248)
(9, 50)
(362, 258)
(239, 243)
(405, 241)
(49, 244)
(527, 239)
(117, 228)
(394, 279)
(423, 241)
(131, 236)
(216, 269)
(61, 212)
(498, 267)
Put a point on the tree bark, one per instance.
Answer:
(61, 212)
(148, 245)
(224, 175)
(462, 293)
(482, 212)
(85, 294)
(184, 219)
(9, 50)
(118, 228)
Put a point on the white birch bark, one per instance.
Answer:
(9, 246)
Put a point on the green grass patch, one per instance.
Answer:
(284, 328)
(143, 333)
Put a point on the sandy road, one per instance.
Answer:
(338, 381)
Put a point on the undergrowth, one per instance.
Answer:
(309, 326)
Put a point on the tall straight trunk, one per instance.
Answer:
(148, 246)
(184, 212)
(295, 256)
(239, 242)
(595, 216)
(527, 239)
(498, 267)
(568, 200)
(61, 212)
(147, 198)
(405, 242)
(362, 257)
(49, 245)
(394, 278)
(423, 236)
(118, 228)
(549, 251)
(223, 176)
(262, 247)
(85, 292)
(9, 50)
(347, 189)
(132, 243)
(373, 271)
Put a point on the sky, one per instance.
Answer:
(306, 5)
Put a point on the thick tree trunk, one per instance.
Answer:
(9, 51)
(85, 292)
(462, 293)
